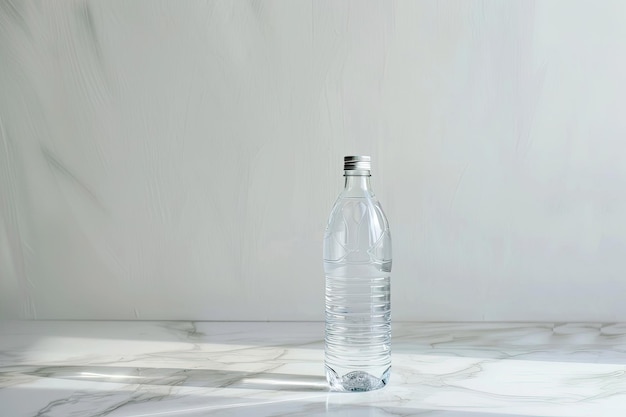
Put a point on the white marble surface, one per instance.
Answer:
(145, 369)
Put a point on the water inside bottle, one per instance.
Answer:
(358, 327)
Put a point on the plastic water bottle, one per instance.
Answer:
(357, 264)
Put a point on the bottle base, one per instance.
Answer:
(356, 381)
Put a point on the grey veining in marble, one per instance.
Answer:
(275, 369)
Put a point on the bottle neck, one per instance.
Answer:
(357, 185)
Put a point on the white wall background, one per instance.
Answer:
(178, 160)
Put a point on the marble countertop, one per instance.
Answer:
(143, 369)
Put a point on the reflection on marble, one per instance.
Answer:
(275, 369)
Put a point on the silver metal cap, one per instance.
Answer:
(357, 163)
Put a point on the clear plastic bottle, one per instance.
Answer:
(357, 264)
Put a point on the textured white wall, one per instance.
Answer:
(177, 160)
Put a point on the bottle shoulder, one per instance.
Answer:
(366, 205)
(358, 231)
